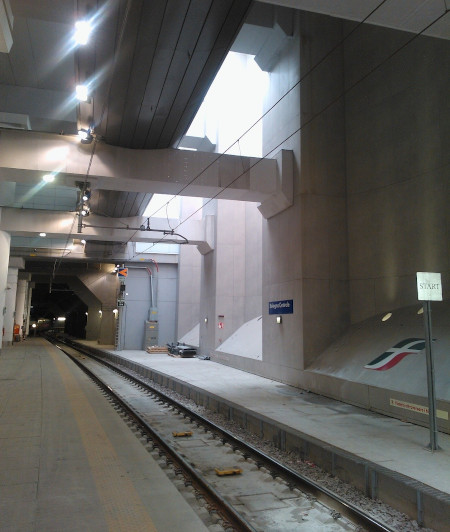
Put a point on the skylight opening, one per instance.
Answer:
(163, 206)
(232, 105)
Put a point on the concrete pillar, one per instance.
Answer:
(94, 306)
(93, 322)
(10, 304)
(21, 299)
(5, 240)
(107, 326)
(28, 310)
(104, 285)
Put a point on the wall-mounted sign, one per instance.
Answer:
(122, 272)
(281, 307)
(120, 303)
(429, 286)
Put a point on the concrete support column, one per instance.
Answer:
(28, 309)
(103, 284)
(10, 304)
(107, 325)
(21, 299)
(93, 322)
(5, 240)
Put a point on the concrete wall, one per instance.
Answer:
(189, 274)
(371, 185)
(167, 302)
(104, 285)
(94, 319)
(231, 281)
(138, 302)
(305, 247)
(398, 172)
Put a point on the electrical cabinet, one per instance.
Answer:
(151, 333)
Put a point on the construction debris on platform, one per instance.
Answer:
(181, 350)
(153, 349)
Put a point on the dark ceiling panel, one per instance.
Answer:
(56, 11)
(118, 204)
(21, 55)
(166, 46)
(6, 73)
(220, 29)
(152, 16)
(123, 71)
(160, 63)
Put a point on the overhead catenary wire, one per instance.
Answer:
(340, 43)
(302, 78)
(330, 104)
(307, 122)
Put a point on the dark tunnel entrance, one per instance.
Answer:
(62, 306)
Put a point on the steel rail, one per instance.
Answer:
(278, 469)
(228, 514)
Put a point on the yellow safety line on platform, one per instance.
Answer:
(123, 507)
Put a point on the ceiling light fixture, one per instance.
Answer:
(48, 178)
(386, 316)
(42, 234)
(83, 30)
(85, 135)
(81, 92)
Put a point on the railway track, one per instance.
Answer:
(245, 488)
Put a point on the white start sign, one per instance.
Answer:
(429, 286)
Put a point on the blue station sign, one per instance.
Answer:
(281, 307)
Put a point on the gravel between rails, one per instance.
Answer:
(374, 507)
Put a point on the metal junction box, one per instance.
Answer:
(151, 333)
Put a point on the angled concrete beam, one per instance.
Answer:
(30, 222)
(283, 197)
(26, 156)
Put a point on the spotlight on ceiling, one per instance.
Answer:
(48, 178)
(85, 210)
(83, 30)
(83, 242)
(85, 135)
(42, 234)
(81, 92)
(86, 195)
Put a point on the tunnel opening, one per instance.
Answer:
(59, 309)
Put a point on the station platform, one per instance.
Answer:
(67, 460)
(382, 456)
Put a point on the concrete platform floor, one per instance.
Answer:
(384, 457)
(389, 442)
(67, 460)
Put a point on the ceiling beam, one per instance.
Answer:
(30, 222)
(26, 156)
